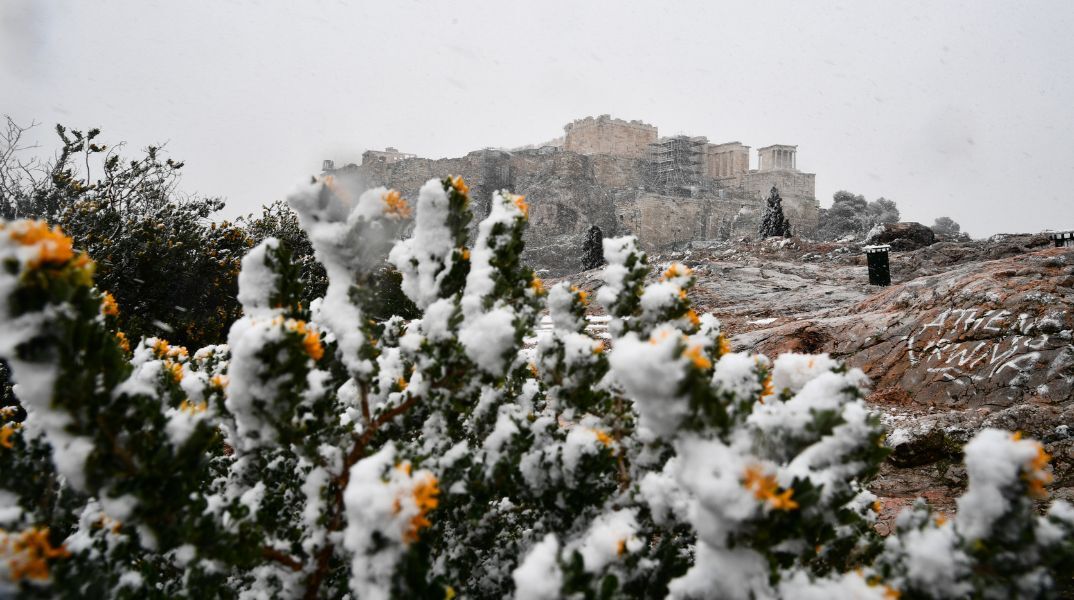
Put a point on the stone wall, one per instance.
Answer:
(797, 189)
(662, 222)
(726, 160)
(605, 135)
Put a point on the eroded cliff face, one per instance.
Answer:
(567, 192)
(970, 335)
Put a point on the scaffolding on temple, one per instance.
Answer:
(675, 163)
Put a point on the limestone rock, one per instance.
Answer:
(902, 236)
(971, 334)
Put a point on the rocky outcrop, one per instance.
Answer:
(972, 334)
(902, 236)
(569, 192)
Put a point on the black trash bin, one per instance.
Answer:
(879, 270)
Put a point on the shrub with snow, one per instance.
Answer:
(322, 452)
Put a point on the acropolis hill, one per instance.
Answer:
(623, 177)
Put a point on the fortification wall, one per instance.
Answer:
(605, 135)
(662, 222)
(797, 189)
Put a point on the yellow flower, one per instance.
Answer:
(53, 246)
(124, 343)
(108, 305)
(878, 506)
(783, 501)
(161, 347)
(533, 370)
(402, 383)
(537, 286)
(1036, 473)
(676, 270)
(460, 185)
(696, 356)
(424, 494)
(311, 340)
(396, 205)
(465, 253)
(603, 438)
(583, 296)
(176, 370)
(620, 548)
(723, 346)
(30, 549)
(766, 386)
(520, 203)
(691, 315)
(764, 487)
(6, 432)
(192, 409)
(219, 381)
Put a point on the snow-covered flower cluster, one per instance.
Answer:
(322, 452)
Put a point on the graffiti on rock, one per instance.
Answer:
(971, 345)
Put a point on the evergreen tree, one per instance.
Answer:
(773, 223)
(593, 248)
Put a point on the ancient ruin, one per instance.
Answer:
(622, 177)
(387, 156)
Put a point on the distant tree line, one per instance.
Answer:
(852, 215)
(171, 266)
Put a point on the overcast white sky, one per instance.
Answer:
(963, 109)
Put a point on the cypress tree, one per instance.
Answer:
(774, 223)
(593, 248)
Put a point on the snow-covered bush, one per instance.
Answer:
(322, 452)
